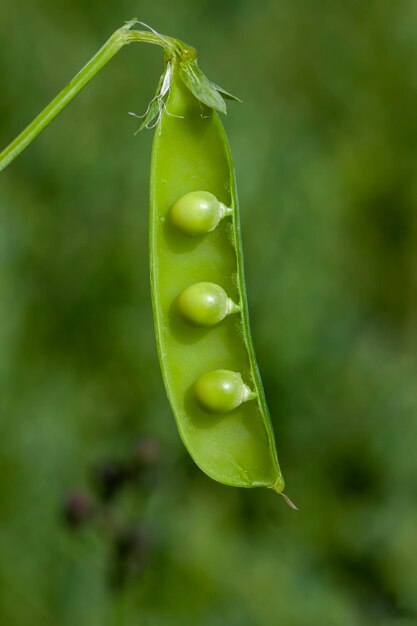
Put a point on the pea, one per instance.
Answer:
(221, 391)
(198, 213)
(205, 304)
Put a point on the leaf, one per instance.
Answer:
(153, 108)
(225, 94)
(200, 86)
(151, 113)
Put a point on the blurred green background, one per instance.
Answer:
(325, 151)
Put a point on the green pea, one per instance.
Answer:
(205, 304)
(198, 213)
(221, 391)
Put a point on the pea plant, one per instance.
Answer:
(197, 280)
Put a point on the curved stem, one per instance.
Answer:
(118, 39)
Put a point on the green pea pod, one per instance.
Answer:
(209, 366)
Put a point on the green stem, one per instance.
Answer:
(118, 39)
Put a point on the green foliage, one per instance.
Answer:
(324, 148)
(201, 87)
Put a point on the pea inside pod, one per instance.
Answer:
(221, 391)
(205, 304)
(198, 213)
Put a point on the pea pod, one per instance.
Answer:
(234, 441)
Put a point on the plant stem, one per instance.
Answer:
(118, 39)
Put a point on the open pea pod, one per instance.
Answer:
(196, 248)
